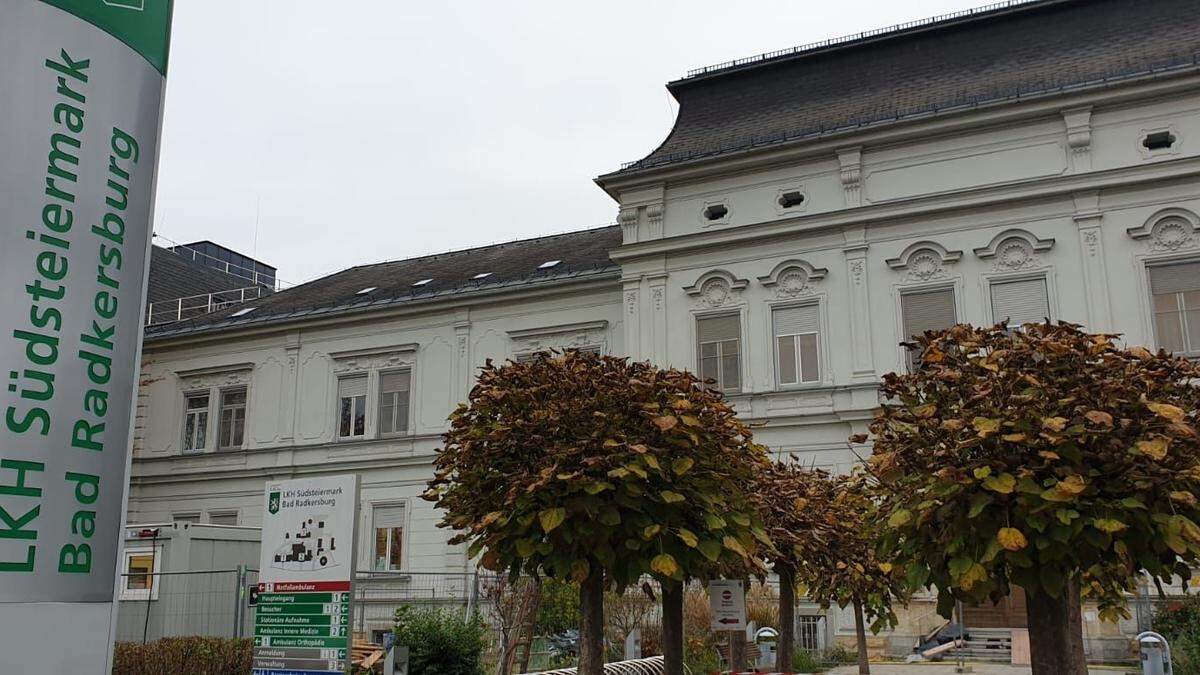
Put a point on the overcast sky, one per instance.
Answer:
(355, 132)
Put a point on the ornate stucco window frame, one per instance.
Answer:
(583, 335)
(213, 381)
(372, 362)
(1170, 235)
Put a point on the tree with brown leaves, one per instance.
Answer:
(1044, 457)
(600, 470)
(824, 535)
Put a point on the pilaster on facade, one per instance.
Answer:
(850, 160)
(855, 252)
(1079, 137)
(631, 319)
(1088, 220)
(291, 388)
(657, 309)
(462, 372)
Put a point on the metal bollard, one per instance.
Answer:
(1155, 654)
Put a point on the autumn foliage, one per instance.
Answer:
(1045, 457)
(571, 464)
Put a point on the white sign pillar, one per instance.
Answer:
(82, 84)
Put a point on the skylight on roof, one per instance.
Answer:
(422, 282)
(242, 312)
(548, 264)
(366, 290)
(482, 275)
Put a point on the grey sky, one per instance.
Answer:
(355, 132)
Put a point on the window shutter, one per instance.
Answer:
(927, 310)
(394, 381)
(719, 328)
(352, 386)
(388, 516)
(797, 320)
(1020, 301)
(1178, 278)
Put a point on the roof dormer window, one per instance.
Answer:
(366, 290)
(242, 312)
(548, 264)
(481, 275)
(421, 282)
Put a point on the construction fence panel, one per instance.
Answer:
(209, 603)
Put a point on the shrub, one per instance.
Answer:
(813, 662)
(1179, 622)
(441, 642)
(193, 655)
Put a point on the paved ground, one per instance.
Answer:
(948, 669)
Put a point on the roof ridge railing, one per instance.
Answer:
(178, 309)
(812, 46)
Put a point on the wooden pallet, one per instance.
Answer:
(366, 654)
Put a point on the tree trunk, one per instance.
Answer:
(591, 628)
(787, 618)
(860, 634)
(1056, 632)
(672, 627)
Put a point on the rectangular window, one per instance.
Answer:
(138, 573)
(925, 311)
(797, 344)
(387, 522)
(223, 518)
(393, 401)
(719, 351)
(1175, 294)
(195, 421)
(185, 517)
(233, 418)
(1021, 302)
(352, 406)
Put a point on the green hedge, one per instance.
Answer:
(191, 655)
(441, 641)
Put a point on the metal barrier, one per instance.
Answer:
(169, 604)
(651, 666)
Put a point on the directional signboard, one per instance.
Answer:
(727, 599)
(306, 574)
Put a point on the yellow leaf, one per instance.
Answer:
(1167, 411)
(899, 518)
(1099, 418)
(664, 564)
(799, 503)
(639, 448)
(687, 537)
(1183, 498)
(1055, 423)
(982, 472)
(1011, 539)
(681, 465)
(1014, 438)
(690, 421)
(611, 443)
(1048, 454)
(1108, 525)
(952, 425)
(973, 575)
(1072, 485)
(985, 426)
(1155, 448)
(925, 411)
(552, 518)
(652, 461)
(651, 530)
(1003, 483)
(665, 422)
(733, 545)
(681, 404)
(671, 497)
(886, 568)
